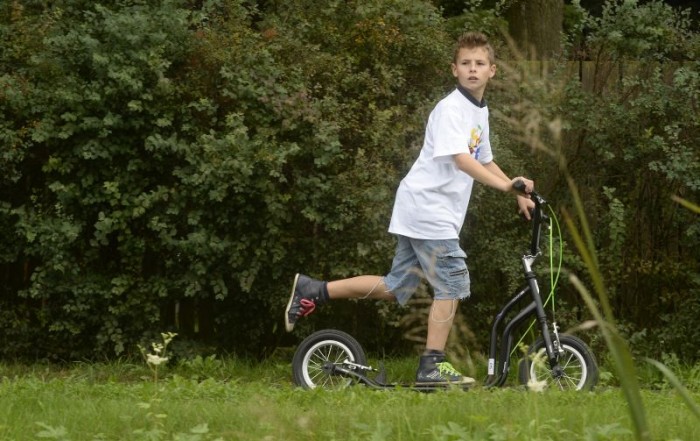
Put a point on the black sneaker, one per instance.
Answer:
(434, 370)
(307, 293)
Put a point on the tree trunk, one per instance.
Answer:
(536, 26)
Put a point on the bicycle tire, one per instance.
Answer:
(319, 348)
(577, 361)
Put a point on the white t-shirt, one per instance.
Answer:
(431, 201)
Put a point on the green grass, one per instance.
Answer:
(209, 399)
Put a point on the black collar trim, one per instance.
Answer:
(469, 96)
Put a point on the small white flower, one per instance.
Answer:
(155, 359)
(536, 386)
(167, 337)
(157, 347)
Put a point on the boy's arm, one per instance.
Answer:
(525, 204)
(491, 174)
(480, 173)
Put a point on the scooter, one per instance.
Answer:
(333, 359)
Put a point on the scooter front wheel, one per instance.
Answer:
(578, 367)
(314, 358)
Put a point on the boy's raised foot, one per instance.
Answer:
(307, 293)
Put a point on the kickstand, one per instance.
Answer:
(381, 376)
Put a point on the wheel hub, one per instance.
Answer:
(328, 368)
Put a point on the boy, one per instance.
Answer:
(429, 210)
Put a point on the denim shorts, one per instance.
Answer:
(441, 262)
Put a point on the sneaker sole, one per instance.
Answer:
(287, 324)
(441, 386)
(465, 381)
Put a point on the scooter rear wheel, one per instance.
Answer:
(319, 351)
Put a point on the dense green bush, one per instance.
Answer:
(171, 165)
(167, 156)
(89, 100)
(645, 145)
(626, 113)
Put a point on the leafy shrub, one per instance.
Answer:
(173, 157)
(171, 166)
(622, 129)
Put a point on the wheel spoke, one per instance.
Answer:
(568, 360)
(319, 358)
(316, 375)
(339, 356)
(573, 381)
(573, 367)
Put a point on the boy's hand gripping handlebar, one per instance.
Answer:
(520, 186)
(538, 217)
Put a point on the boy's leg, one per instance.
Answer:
(433, 367)
(444, 265)
(307, 293)
(442, 314)
(360, 287)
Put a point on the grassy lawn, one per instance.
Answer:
(211, 399)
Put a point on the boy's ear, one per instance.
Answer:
(492, 69)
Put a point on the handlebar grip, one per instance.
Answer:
(519, 185)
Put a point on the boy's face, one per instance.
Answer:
(473, 70)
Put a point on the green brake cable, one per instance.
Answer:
(553, 275)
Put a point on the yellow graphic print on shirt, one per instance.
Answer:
(474, 141)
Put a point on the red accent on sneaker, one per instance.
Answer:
(307, 307)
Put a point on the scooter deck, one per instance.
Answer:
(433, 387)
(380, 381)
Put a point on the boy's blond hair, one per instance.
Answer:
(471, 40)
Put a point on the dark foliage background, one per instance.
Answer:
(170, 165)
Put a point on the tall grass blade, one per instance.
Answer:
(620, 352)
(676, 383)
(660, 366)
(624, 364)
(587, 251)
(687, 204)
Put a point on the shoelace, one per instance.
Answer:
(307, 307)
(446, 368)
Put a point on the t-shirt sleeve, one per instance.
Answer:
(450, 134)
(455, 131)
(483, 152)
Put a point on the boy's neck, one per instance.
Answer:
(470, 97)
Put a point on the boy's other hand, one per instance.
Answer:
(523, 188)
(526, 206)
